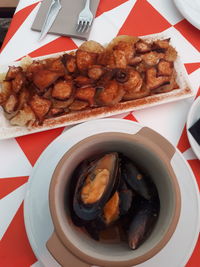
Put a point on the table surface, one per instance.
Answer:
(19, 155)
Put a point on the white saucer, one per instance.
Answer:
(38, 221)
(193, 116)
(190, 9)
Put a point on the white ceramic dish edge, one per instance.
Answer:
(193, 116)
(190, 11)
(192, 183)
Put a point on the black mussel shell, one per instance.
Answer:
(126, 197)
(90, 211)
(82, 168)
(136, 180)
(76, 220)
(142, 224)
(94, 227)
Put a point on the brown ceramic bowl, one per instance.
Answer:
(71, 246)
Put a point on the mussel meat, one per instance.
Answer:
(111, 210)
(95, 186)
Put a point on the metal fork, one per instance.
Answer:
(85, 18)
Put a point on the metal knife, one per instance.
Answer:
(50, 17)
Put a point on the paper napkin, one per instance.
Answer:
(66, 20)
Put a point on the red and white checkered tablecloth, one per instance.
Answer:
(19, 155)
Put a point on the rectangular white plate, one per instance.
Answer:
(185, 91)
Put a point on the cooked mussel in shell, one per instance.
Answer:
(126, 198)
(142, 224)
(135, 179)
(95, 186)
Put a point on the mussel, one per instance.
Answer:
(142, 224)
(95, 186)
(126, 196)
(135, 179)
(110, 214)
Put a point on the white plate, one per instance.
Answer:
(184, 91)
(38, 221)
(193, 116)
(190, 9)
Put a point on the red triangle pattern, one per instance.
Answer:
(18, 20)
(59, 45)
(191, 67)
(33, 145)
(183, 143)
(130, 117)
(195, 165)
(189, 32)
(194, 260)
(7, 185)
(106, 5)
(14, 247)
(144, 19)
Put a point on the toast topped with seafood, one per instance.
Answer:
(90, 81)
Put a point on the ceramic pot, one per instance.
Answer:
(72, 247)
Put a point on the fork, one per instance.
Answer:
(85, 18)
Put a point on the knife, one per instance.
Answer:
(50, 17)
